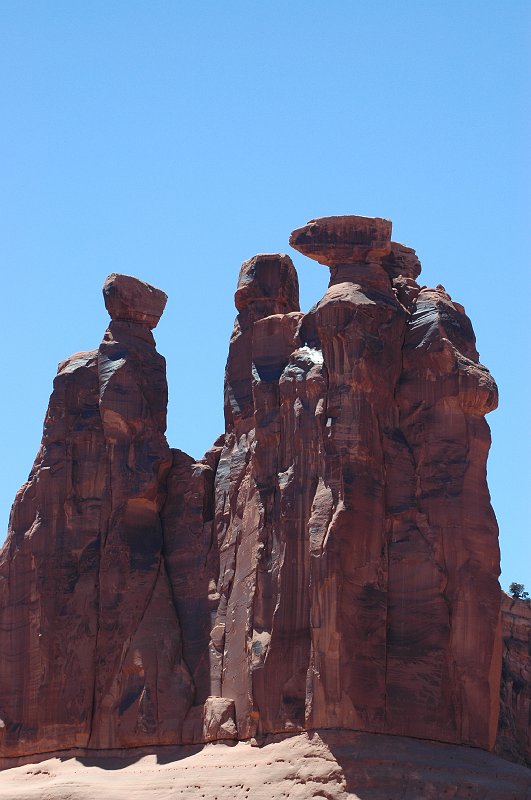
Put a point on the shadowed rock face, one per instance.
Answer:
(514, 729)
(332, 562)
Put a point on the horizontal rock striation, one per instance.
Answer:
(332, 561)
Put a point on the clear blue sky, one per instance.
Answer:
(173, 140)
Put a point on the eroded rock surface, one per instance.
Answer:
(359, 554)
(129, 300)
(91, 575)
(332, 561)
(49, 573)
(514, 730)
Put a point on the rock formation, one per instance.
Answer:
(91, 642)
(352, 510)
(514, 730)
(332, 561)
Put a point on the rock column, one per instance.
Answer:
(359, 325)
(49, 574)
(246, 478)
(143, 689)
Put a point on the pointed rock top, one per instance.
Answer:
(129, 299)
(343, 240)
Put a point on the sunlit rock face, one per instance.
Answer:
(332, 561)
(91, 640)
(359, 576)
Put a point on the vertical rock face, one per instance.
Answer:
(92, 651)
(443, 530)
(268, 313)
(353, 504)
(358, 326)
(49, 570)
(142, 689)
(332, 562)
(514, 729)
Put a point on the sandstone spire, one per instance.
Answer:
(331, 562)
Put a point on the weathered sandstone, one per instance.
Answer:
(331, 563)
(90, 628)
(343, 240)
(514, 729)
(49, 570)
(352, 508)
(129, 300)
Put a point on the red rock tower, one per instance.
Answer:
(332, 561)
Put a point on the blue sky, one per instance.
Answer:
(173, 140)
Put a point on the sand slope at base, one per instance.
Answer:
(334, 765)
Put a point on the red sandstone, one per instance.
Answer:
(332, 562)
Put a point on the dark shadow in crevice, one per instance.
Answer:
(379, 766)
(114, 761)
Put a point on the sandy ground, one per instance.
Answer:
(329, 764)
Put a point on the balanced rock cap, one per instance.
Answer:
(129, 299)
(343, 240)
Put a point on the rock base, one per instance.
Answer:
(324, 764)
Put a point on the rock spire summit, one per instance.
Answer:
(128, 299)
